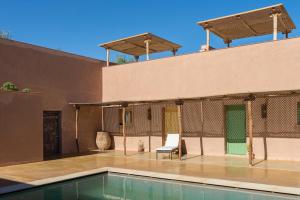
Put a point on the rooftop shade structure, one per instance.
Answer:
(257, 22)
(135, 45)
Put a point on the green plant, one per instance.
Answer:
(123, 59)
(9, 86)
(26, 90)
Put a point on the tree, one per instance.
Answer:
(5, 34)
(123, 59)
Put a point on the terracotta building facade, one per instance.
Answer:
(55, 78)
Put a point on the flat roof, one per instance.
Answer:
(248, 24)
(135, 45)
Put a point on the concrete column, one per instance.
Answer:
(147, 42)
(107, 57)
(275, 26)
(207, 38)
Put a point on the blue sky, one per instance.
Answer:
(77, 26)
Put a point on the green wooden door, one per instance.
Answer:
(236, 129)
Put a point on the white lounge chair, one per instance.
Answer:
(171, 145)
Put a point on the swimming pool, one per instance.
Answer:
(119, 186)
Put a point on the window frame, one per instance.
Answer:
(128, 113)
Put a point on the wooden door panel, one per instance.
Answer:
(51, 133)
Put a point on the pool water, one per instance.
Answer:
(117, 186)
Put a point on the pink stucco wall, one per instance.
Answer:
(277, 148)
(270, 66)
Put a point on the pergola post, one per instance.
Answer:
(286, 35)
(123, 126)
(102, 118)
(202, 129)
(250, 127)
(179, 104)
(136, 58)
(266, 130)
(107, 57)
(275, 25)
(150, 126)
(174, 52)
(147, 42)
(207, 38)
(76, 126)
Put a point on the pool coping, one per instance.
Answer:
(168, 176)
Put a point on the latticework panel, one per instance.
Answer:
(272, 117)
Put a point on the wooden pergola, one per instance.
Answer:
(138, 45)
(263, 21)
(248, 98)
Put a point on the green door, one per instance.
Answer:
(236, 129)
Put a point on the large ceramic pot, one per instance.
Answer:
(103, 140)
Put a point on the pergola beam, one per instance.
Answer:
(140, 46)
(247, 25)
(139, 43)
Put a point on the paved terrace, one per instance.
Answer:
(275, 176)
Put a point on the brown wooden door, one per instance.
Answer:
(51, 132)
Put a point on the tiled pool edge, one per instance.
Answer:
(169, 176)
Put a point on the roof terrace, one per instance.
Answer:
(263, 21)
(142, 44)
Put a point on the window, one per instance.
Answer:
(263, 111)
(128, 117)
(298, 113)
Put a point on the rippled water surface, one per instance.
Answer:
(116, 186)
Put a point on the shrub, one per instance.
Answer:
(9, 86)
(26, 90)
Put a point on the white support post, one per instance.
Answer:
(275, 25)
(107, 57)
(207, 38)
(147, 42)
